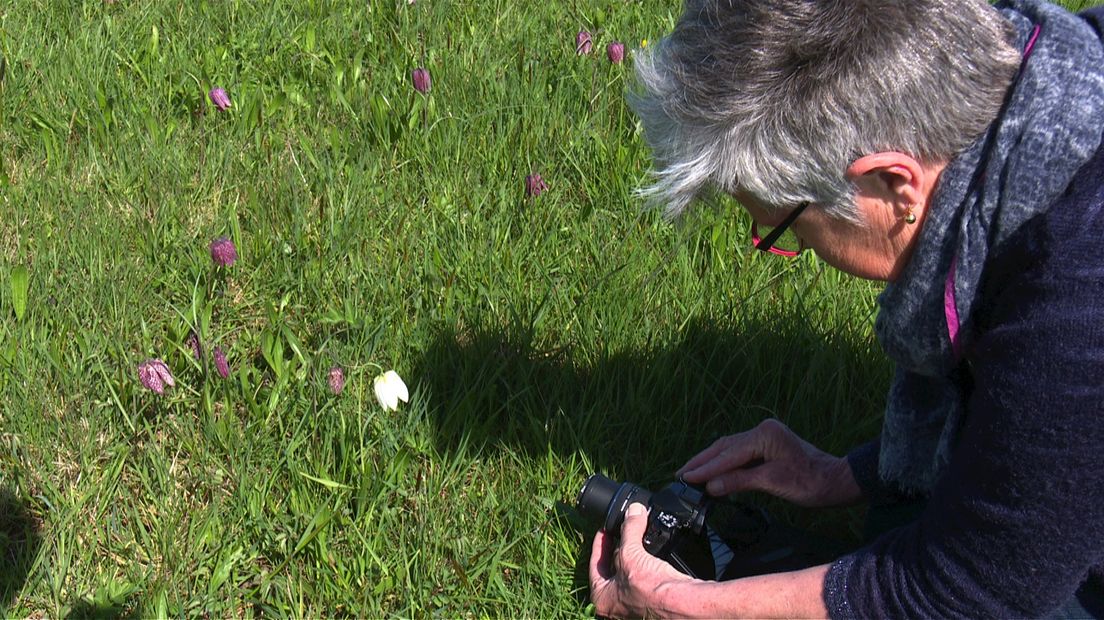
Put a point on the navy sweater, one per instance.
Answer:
(1016, 525)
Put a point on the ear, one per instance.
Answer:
(898, 179)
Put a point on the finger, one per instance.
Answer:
(775, 477)
(736, 456)
(733, 481)
(705, 455)
(601, 553)
(632, 530)
(601, 572)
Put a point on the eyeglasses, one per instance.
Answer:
(779, 240)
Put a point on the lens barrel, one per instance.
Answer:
(602, 499)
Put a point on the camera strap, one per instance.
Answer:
(722, 553)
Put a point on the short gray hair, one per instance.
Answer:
(776, 98)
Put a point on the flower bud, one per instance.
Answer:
(220, 99)
(221, 365)
(223, 252)
(155, 375)
(615, 52)
(534, 185)
(193, 343)
(336, 380)
(421, 80)
(583, 43)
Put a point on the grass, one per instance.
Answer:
(542, 338)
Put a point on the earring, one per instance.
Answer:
(910, 217)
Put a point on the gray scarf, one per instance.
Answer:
(1050, 126)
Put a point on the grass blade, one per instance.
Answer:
(20, 283)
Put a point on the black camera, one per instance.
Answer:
(677, 530)
(704, 537)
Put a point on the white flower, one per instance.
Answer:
(390, 389)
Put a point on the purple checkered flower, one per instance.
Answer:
(221, 365)
(193, 343)
(421, 79)
(534, 185)
(583, 43)
(220, 99)
(615, 52)
(336, 380)
(223, 252)
(155, 375)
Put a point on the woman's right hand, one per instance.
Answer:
(773, 459)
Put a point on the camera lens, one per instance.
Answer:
(595, 496)
(606, 500)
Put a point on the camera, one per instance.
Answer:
(705, 537)
(676, 531)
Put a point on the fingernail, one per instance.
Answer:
(635, 510)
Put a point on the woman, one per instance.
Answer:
(952, 149)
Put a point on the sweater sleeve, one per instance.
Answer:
(1017, 522)
(863, 461)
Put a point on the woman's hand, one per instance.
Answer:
(771, 458)
(626, 581)
(629, 582)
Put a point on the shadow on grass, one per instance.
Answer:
(85, 610)
(643, 413)
(638, 415)
(20, 541)
(19, 544)
(111, 601)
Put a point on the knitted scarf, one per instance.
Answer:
(1050, 125)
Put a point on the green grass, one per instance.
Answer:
(542, 339)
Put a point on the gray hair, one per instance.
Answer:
(776, 98)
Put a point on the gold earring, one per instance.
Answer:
(910, 217)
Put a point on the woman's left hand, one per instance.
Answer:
(628, 582)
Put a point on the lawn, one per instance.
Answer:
(543, 335)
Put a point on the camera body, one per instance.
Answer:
(706, 538)
(676, 531)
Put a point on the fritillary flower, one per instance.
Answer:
(223, 252)
(422, 83)
(155, 375)
(193, 343)
(220, 99)
(336, 379)
(615, 52)
(534, 185)
(390, 389)
(583, 43)
(221, 365)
